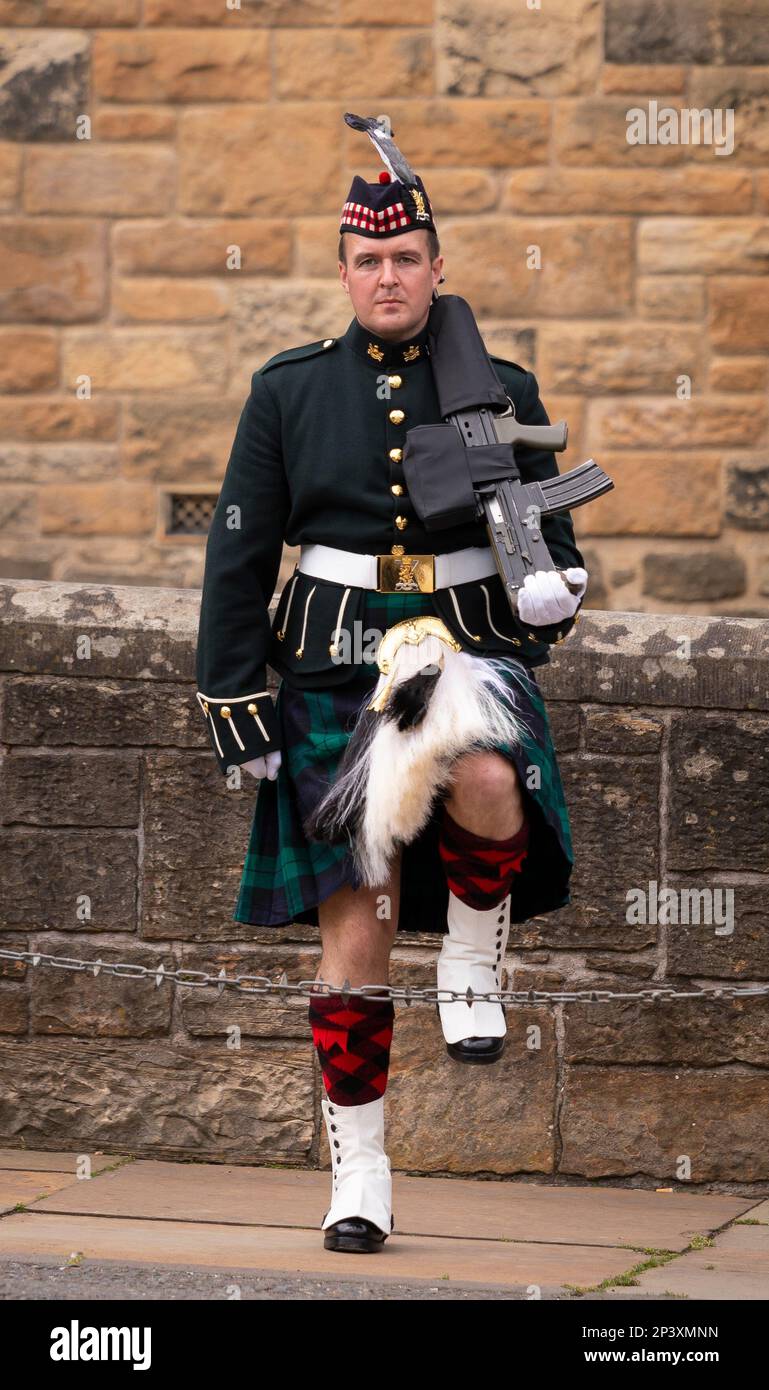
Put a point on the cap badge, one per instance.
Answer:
(421, 210)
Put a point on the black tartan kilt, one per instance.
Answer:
(285, 875)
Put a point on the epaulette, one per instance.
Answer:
(297, 354)
(496, 358)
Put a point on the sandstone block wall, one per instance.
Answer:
(170, 186)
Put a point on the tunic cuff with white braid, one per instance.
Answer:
(241, 727)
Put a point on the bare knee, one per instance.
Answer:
(485, 777)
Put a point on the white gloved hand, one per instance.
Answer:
(544, 598)
(265, 766)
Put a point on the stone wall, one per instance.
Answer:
(122, 842)
(170, 187)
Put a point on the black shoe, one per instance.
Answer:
(355, 1233)
(475, 1050)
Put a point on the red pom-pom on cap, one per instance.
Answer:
(385, 176)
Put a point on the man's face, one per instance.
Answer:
(390, 282)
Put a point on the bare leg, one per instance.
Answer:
(485, 795)
(358, 929)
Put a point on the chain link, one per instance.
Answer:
(261, 984)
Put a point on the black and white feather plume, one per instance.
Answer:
(392, 158)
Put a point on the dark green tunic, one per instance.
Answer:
(317, 458)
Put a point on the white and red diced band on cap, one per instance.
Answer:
(375, 219)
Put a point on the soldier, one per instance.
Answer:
(317, 462)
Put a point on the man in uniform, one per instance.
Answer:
(317, 462)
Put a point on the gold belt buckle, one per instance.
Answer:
(405, 574)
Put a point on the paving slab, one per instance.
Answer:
(734, 1267)
(20, 1186)
(760, 1212)
(165, 1222)
(57, 1161)
(457, 1207)
(271, 1248)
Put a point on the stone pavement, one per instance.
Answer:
(173, 1229)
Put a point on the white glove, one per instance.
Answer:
(544, 598)
(265, 766)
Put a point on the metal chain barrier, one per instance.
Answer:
(261, 984)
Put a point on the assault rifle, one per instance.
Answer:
(465, 468)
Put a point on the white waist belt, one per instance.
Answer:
(361, 571)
